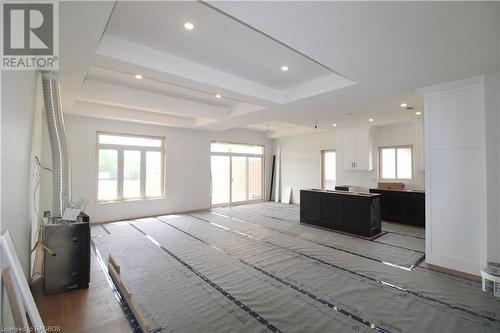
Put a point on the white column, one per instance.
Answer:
(455, 180)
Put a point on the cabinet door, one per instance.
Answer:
(349, 150)
(394, 202)
(310, 204)
(362, 150)
(414, 209)
(331, 210)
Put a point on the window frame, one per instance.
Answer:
(322, 166)
(395, 147)
(247, 155)
(120, 166)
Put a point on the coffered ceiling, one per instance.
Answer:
(347, 61)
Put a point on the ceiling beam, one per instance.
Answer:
(115, 95)
(124, 114)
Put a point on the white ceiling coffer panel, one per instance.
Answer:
(87, 109)
(81, 25)
(151, 84)
(250, 55)
(108, 94)
(179, 70)
(219, 51)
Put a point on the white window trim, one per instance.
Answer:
(396, 162)
(120, 149)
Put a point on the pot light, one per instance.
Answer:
(403, 105)
(418, 113)
(188, 26)
(371, 120)
(334, 125)
(218, 96)
(138, 76)
(284, 68)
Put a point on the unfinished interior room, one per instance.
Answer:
(250, 166)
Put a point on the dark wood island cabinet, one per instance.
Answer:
(403, 206)
(352, 212)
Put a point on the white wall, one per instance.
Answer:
(492, 117)
(187, 166)
(456, 190)
(301, 158)
(18, 105)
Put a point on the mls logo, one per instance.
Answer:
(29, 31)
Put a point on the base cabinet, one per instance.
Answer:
(406, 207)
(358, 214)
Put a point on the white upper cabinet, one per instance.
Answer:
(357, 149)
(348, 149)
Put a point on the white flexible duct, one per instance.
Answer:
(61, 181)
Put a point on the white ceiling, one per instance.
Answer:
(217, 41)
(383, 50)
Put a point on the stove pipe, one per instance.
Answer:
(61, 175)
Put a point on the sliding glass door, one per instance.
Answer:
(239, 182)
(236, 173)
(220, 179)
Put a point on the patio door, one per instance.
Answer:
(236, 173)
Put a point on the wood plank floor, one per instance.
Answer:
(85, 310)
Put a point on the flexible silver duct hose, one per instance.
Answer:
(61, 181)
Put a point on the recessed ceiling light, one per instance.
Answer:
(418, 113)
(188, 26)
(138, 76)
(334, 125)
(403, 105)
(284, 68)
(371, 120)
(218, 96)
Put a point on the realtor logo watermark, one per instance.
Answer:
(30, 35)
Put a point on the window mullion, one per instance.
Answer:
(396, 162)
(247, 177)
(143, 173)
(120, 174)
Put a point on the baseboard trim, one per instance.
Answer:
(463, 275)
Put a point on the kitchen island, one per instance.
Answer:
(352, 212)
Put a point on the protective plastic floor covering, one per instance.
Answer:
(282, 282)
(216, 294)
(380, 250)
(396, 234)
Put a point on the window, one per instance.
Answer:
(396, 162)
(328, 169)
(236, 172)
(129, 167)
